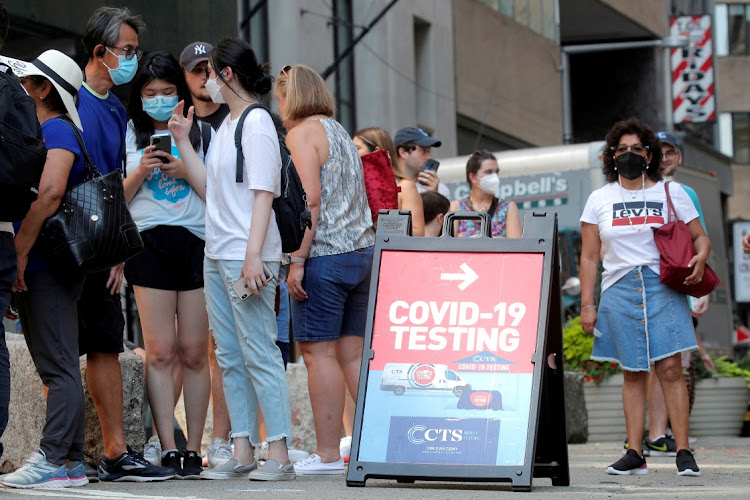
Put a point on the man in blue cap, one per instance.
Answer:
(414, 148)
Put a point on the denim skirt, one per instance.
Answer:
(640, 321)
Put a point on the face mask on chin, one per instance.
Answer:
(630, 165)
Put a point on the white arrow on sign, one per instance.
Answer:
(468, 276)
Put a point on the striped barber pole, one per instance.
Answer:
(693, 91)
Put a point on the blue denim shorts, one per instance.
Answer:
(640, 321)
(337, 288)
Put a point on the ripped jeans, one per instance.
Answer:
(251, 366)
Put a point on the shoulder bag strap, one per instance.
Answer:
(671, 210)
(238, 139)
(92, 170)
(493, 207)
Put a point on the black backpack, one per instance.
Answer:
(292, 215)
(22, 150)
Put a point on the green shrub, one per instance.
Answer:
(577, 348)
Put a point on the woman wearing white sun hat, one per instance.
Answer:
(46, 301)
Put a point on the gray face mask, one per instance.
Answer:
(630, 165)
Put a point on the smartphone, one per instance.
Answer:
(430, 165)
(162, 143)
(240, 286)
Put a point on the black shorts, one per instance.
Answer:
(171, 259)
(101, 323)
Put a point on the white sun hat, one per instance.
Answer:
(60, 70)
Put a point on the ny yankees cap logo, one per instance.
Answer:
(200, 49)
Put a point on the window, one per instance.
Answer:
(741, 137)
(732, 29)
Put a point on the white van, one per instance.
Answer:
(398, 377)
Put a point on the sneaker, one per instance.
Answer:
(686, 465)
(296, 455)
(626, 447)
(273, 471)
(77, 474)
(91, 473)
(231, 469)
(218, 452)
(173, 460)
(131, 466)
(191, 465)
(152, 451)
(662, 447)
(345, 448)
(314, 466)
(37, 472)
(631, 463)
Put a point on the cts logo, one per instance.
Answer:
(200, 49)
(419, 434)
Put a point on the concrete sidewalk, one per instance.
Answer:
(724, 463)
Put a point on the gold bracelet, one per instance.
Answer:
(590, 305)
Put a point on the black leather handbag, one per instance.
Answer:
(92, 229)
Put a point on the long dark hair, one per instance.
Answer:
(474, 163)
(647, 137)
(158, 66)
(239, 55)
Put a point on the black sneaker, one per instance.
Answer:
(173, 460)
(686, 465)
(626, 447)
(131, 466)
(631, 463)
(662, 447)
(192, 465)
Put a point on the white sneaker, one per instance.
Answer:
(218, 452)
(296, 455)
(314, 466)
(345, 448)
(152, 451)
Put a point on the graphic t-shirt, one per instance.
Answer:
(625, 224)
(229, 204)
(162, 200)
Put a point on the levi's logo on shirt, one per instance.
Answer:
(653, 213)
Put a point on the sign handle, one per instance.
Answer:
(451, 218)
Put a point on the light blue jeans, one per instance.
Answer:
(251, 366)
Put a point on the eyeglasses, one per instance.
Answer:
(670, 155)
(638, 149)
(129, 53)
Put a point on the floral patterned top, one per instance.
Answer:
(468, 228)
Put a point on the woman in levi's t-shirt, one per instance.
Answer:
(640, 321)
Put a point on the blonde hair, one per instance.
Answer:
(376, 137)
(306, 93)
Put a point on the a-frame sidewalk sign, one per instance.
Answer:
(462, 376)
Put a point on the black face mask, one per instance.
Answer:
(630, 165)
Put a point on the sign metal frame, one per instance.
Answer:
(546, 453)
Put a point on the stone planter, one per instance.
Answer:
(604, 406)
(720, 405)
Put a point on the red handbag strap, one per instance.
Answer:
(670, 210)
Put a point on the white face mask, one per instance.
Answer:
(489, 183)
(214, 90)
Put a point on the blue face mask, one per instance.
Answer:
(125, 71)
(159, 107)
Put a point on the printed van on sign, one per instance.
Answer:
(398, 377)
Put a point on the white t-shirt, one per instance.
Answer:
(627, 246)
(229, 204)
(442, 189)
(162, 200)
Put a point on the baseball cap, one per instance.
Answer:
(670, 139)
(195, 53)
(415, 135)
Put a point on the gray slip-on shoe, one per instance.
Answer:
(273, 471)
(230, 469)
